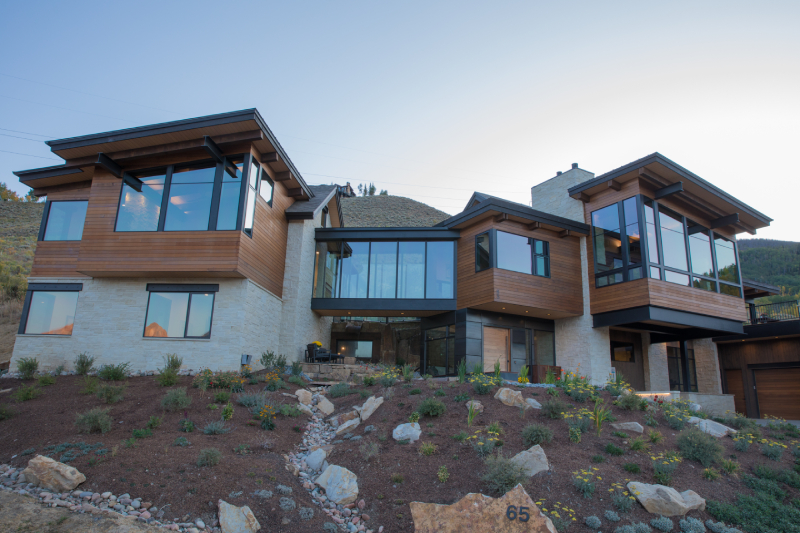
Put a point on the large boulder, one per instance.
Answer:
(533, 460)
(340, 484)
(348, 426)
(369, 407)
(325, 406)
(512, 398)
(315, 459)
(476, 513)
(234, 519)
(52, 475)
(409, 432)
(304, 396)
(715, 429)
(658, 499)
(636, 427)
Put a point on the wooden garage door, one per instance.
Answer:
(735, 386)
(495, 348)
(778, 392)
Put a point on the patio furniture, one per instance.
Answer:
(315, 354)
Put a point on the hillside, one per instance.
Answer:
(774, 262)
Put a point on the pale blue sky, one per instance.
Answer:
(430, 100)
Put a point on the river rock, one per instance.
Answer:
(347, 426)
(658, 499)
(340, 484)
(478, 406)
(477, 513)
(533, 460)
(52, 475)
(532, 404)
(409, 432)
(305, 408)
(304, 396)
(715, 429)
(636, 427)
(315, 459)
(338, 420)
(512, 398)
(325, 406)
(369, 407)
(234, 519)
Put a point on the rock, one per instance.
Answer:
(369, 429)
(234, 519)
(532, 404)
(409, 432)
(715, 429)
(304, 396)
(336, 421)
(369, 407)
(666, 501)
(694, 420)
(512, 398)
(347, 426)
(199, 523)
(315, 459)
(695, 407)
(478, 406)
(52, 475)
(628, 426)
(533, 460)
(340, 484)
(306, 409)
(325, 406)
(477, 513)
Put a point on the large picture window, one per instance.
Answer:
(64, 220)
(51, 312)
(140, 202)
(516, 253)
(174, 313)
(189, 205)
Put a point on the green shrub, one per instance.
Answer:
(27, 392)
(93, 421)
(598, 459)
(463, 397)
(387, 381)
(502, 475)
(209, 457)
(225, 397)
(484, 447)
(536, 434)
(765, 472)
(631, 402)
(369, 381)
(175, 399)
(633, 468)
(621, 502)
(186, 425)
(181, 441)
(461, 436)
(154, 422)
(593, 522)
(554, 408)
(111, 393)
(766, 486)
(245, 399)
(440, 393)
(701, 447)
(5, 412)
(173, 362)
(46, 380)
(620, 434)
(340, 390)
(614, 450)
(414, 391)
(27, 367)
(83, 364)
(729, 466)
(650, 420)
(638, 444)
(227, 411)
(142, 433)
(167, 377)
(611, 516)
(431, 407)
(290, 410)
(662, 523)
(217, 427)
(773, 450)
(297, 380)
(760, 514)
(427, 449)
(711, 474)
(114, 372)
(584, 484)
(790, 477)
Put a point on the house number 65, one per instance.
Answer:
(511, 513)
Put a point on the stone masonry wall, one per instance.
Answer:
(656, 372)
(707, 364)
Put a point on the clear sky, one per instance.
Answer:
(430, 100)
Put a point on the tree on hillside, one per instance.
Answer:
(30, 197)
(370, 190)
(7, 195)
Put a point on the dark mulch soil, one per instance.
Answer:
(154, 469)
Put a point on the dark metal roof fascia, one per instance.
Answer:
(386, 234)
(46, 172)
(181, 125)
(753, 284)
(694, 178)
(512, 208)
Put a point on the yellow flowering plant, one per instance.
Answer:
(560, 515)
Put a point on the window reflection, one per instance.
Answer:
(51, 313)
(65, 221)
(675, 277)
(439, 268)
(672, 239)
(189, 206)
(632, 231)
(650, 222)
(326, 270)
(382, 269)
(730, 290)
(483, 259)
(705, 284)
(700, 249)
(726, 259)
(355, 260)
(250, 204)
(514, 252)
(411, 270)
(229, 196)
(607, 243)
(544, 348)
(179, 314)
(140, 210)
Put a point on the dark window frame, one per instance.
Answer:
(449, 333)
(492, 233)
(46, 218)
(216, 192)
(685, 383)
(190, 290)
(249, 161)
(44, 287)
(323, 218)
(265, 176)
(486, 234)
(623, 344)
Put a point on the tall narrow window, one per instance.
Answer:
(650, 222)
(228, 215)
(632, 231)
(544, 348)
(672, 239)
(411, 270)
(607, 243)
(700, 249)
(250, 206)
(65, 220)
(326, 271)
(266, 188)
(439, 270)
(382, 269)
(483, 258)
(726, 259)
(190, 192)
(140, 206)
(51, 312)
(541, 258)
(355, 262)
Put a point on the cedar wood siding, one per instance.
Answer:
(654, 292)
(561, 293)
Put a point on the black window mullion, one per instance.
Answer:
(623, 237)
(657, 228)
(340, 268)
(396, 272)
(714, 258)
(244, 192)
(188, 312)
(425, 273)
(146, 312)
(45, 216)
(645, 245)
(532, 246)
(162, 216)
(688, 249)
(738, 265)
(215, 197)
(369, 261)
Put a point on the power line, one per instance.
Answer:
(18, 137)
(26, 133)
(67, 109)
(30, 155)
(400, 183)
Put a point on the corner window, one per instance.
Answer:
(190, 191)
(673, 241)
(607, 239)
(140, 202)
(266, 188)
(726, 259)
(230, 192)
(522, 254)
(49, 308)
(252, 186)
(483, 258)
(65, 220)
(173, 313)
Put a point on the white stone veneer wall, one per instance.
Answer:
(656, 375)
(707, 364)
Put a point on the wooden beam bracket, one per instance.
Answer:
(582, 196)
(270, 157)
(534, 225)
(613, 184)
(565, 233)
(283, 176)
(109, 164)
(501, 217)
(725, 221)
(669, 190)
(295, 192)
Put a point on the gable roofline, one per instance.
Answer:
(477, 197)
(682, 172)
(308, 209)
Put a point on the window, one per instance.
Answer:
(266, 189)
(700, 249)
(411, 270)
(681, 367)
(65, 220)
(326, 271)
(231, 191)
(439, 280)
(541, 258)
(726, 259)
(440, 351)
(252, 186)
(140, 202)
(483, 258)
(544, 348)
(173, 313)
(190, 191)
(49, 309)
(622, 352)
(632, 231)
(382, 269)
(522, 254)
(357, 349)
(673, 241)
(324, 218)
(607, 239)
(355, 262)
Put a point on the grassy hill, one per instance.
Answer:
(774, 262)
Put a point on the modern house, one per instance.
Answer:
(200, 237)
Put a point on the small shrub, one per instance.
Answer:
(225, 397)
(176, 399)
(111, 393)
(691, 525)
(90, 384)
(553, 392)
(369, 450)
(167, 377)
(443, 474)
(574, 435)
(209, 457)
(536, 434)
(769, 487)
(415, 391)
(463, 397)
(212, 406)
(710, 474)
(654, 436)
(186, 425)
(46, 380)
(662, 523)
(93, 421)
(27, 367)
(614, 450)
(83, 364)
(173, 362)
(772, 450)
(484, 447)
(765, 472)
(297, 380)
(289, 410)
(663, 467)
(631, 402)
(611, 516)
(413, 417)
(623, 503)
(27, 392)
(554, 408)
(633, 468)
(460, 436)
(598, 459)
(584, 483)
(729, 466)
(790, 477)
(369, 381)
(502, 475)
(720, 527)
(387, 381)
(217, 427)
(5, 412)
(427, 449)
(650, 420)
(593, 522)
(114, 372)
(698, 446)
(431, 407)
(340, 390)
(741, 443)
(154, 422)
(638, 445)
(287, 504)
(227, 411)
(397, 478)
(142, 433)
(620, 434)
(440, 393)
(129, 443)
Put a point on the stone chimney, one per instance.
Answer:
(552, 197)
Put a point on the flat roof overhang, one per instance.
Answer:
(667, 325)
(756, 289)
(682, 186)
(380, 307)
(386, 234)
(769, 330)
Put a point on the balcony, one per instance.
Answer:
(770, 313)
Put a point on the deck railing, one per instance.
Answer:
(779, 312)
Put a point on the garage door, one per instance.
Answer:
(778, 392)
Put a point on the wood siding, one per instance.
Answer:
(735, 383)
(561, 294)
(778, 393)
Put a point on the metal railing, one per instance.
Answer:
(779, 312)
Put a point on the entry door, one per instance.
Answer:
(735, 386)
(778, 392)
(495, 348)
